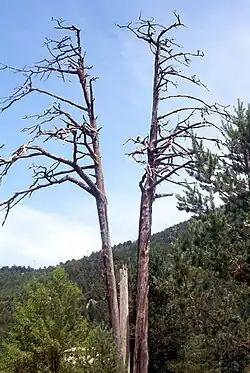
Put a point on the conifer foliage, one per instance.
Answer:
(49, 334)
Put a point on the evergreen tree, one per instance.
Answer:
(213, 261)
(49, 334)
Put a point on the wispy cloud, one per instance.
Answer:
(44, 238)
(35, 237)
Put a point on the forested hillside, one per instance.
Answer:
(86, 272)
(199, 294)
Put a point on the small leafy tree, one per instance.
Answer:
(47, 324)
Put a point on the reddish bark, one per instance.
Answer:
(141, 357)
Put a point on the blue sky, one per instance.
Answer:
(60, 223)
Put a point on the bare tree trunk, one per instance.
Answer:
(141, 356)
(101, 203)
(124, 317)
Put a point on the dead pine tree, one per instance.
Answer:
(69, 123)
(167, 150)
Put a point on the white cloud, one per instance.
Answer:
(124, 215)
(46, 238)
(165, 214)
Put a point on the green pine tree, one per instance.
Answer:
(212, 262)
(50, 335)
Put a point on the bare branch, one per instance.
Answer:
(19, 196)
(163, 195)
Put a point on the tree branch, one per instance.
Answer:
(19, 196)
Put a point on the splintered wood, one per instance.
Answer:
(124, 317)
